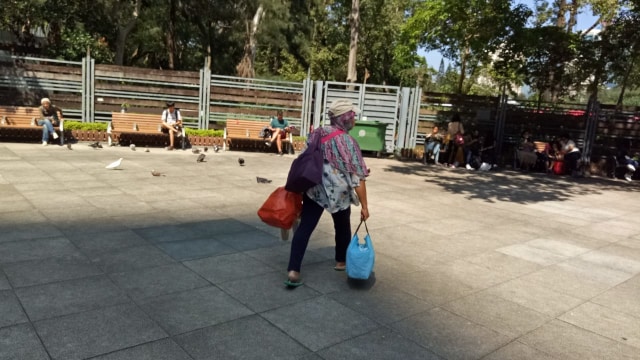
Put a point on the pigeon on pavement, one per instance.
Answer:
(215, 148)
(156, 173)
(200, 158)
(94, 145)
(69, 146)
(99, 145)
(132, 147)
(195, 151)
(114, 164)
(146, 148)
(262, 180)
(241, 161)
(206, 149)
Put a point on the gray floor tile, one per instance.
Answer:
(609, 323)
(131, 258)
(270, 286)
(517, 350)
(62, 298)
(143, 283)
(278, 256)
(568, 280)
(195, 249)
(229, 267)
(10, 310)
(320, 322)
(566, 341)
(165, 349)
(535, 296)
(249, 240)
(29, 232)
(97, 332)
(382, 303)
(156, 234)
(96, 243)
(194, 309)
(380, 344)
(623, 298)
(450, 336)
(434, 288)
(495, 313)
(244, 339)
(23, 250)
(503, 263)
(217, 227)
(4, 282)
(21, 342)
(35, 272)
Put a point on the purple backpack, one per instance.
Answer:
(306, 169)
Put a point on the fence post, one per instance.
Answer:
(499, 126)
(318, 112)
(593, 110)
(204, 98)
(401, 141)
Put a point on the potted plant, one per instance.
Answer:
(209, 137)
(124, 106)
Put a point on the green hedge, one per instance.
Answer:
(77, 125)
(197, 132)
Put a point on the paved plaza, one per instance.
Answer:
(119, 264)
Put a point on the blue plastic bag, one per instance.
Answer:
(360, 257)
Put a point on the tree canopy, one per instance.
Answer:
(488, 44)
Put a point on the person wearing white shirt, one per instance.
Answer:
(172, 122)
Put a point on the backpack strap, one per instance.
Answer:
(332, 135)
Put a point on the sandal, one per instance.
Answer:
(293, 280)
(340, 266)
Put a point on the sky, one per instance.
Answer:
(585, 20)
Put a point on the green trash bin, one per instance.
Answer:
(370, 135)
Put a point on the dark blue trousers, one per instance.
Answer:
(311, 213)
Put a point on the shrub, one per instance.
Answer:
(210, 133)
(77, 125)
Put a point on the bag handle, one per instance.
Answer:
(365, 226)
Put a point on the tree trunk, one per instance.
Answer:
(171, 35)
(624, 83)
(246, 68)
(352, 75)
(123, 33)
(562, 8)
(463, 69)
(573, 14)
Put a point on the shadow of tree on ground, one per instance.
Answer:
(513, 186)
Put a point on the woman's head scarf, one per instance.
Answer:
(342, 151)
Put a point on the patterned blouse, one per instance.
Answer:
(335, 192)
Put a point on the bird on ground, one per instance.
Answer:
(201, 158)
(156, 173)
(206, 149)
(195, 151)
(146, 148)
(132, 147)
(114, 165)
(99, 145)
(94, 145)
(262, 180)
(215, 148)
(69, 146)
(241, 161)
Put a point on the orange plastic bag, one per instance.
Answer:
(281, 208)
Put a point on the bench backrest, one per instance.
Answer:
(132, 122)
(18, 116)
(245, 129)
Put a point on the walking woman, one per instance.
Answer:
(343, 184)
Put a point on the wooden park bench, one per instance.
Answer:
(137, 124)
(249, 130)
(26, 119)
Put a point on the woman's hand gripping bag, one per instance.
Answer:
(360, 257)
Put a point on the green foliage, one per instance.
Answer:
(210, 133)
(77, 125)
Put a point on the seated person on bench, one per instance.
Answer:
(50, 116)
(279, 128)
(432, 144)
(171, 122)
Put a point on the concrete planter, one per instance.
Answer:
(195, 140)
(87, 135)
